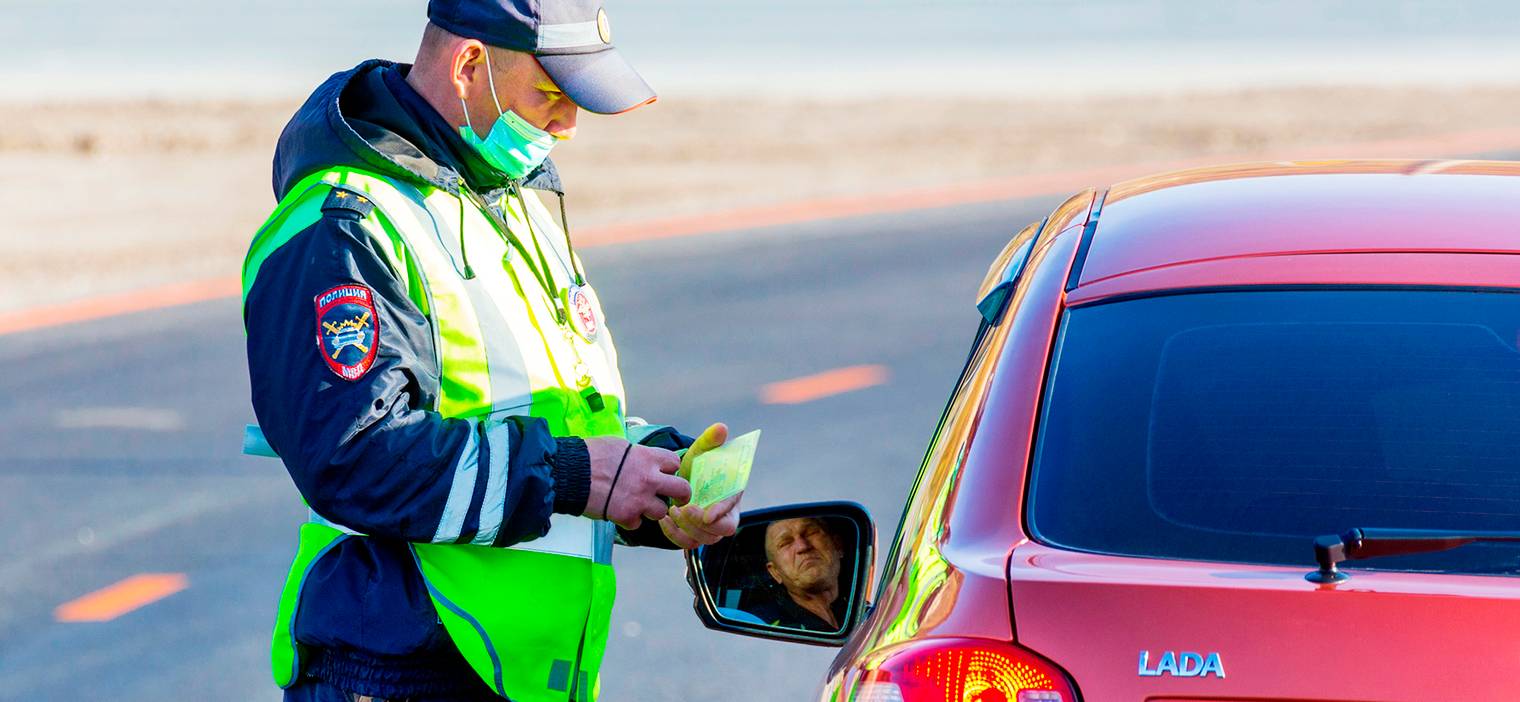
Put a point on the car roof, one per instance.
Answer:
(1258, 218)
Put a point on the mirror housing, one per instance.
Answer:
(739, 590)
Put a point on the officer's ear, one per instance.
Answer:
(468, 67)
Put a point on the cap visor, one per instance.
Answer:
(602, 82)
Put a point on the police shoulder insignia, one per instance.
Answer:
(344, 200)
(348, 331)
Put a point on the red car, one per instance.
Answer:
(1238, 433)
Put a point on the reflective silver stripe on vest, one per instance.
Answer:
(493, 508)
(575, 536)
(451, 524)
(505, 366)
(312, 516)
(606, 536)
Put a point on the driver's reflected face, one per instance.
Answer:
(802, 555)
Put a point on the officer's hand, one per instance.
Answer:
(648, 475)
(690, 526)
(711, 438)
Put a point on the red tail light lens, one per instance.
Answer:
(960, 670)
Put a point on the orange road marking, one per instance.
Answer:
(122, 303)
(1033, 185)
(821, 385)
(113, 601)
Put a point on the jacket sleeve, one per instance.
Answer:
(649, 532)
(366, 451)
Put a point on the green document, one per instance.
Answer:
(722, 472)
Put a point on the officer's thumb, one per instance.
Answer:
(711, 438)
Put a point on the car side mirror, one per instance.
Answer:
(792, 573)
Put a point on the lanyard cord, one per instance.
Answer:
(469, 273)
(549, 284)
(564, 220)
(542, 274)
(537, 248)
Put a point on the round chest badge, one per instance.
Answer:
(583, 313)
(603, 27)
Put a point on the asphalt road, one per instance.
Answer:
(119, 452)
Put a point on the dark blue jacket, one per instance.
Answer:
(367, 453)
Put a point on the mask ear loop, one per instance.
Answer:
(466, 109)
(491, 80)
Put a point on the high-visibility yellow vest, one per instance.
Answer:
(532, 619)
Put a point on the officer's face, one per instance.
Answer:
(802, 554)
(521, 86)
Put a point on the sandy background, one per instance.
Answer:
(115, 196)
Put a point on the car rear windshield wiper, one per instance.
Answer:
(1357, 544)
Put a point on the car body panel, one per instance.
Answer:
(963, 564)
(1375, 269)
(1277, 209)
(1388, 636)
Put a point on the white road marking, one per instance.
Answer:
(135, 418)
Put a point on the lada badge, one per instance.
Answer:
(1180, 665)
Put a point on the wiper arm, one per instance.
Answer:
(1357, 544)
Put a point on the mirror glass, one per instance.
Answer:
(796, 573)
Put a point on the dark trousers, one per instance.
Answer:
(317, 691)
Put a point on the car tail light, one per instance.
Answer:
(960, 670)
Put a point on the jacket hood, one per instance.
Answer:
(325, 133)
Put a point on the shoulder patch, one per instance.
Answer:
(348, 330)
(344, 200)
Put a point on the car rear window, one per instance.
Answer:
(1237, 426)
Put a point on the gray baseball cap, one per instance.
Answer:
(572, 40)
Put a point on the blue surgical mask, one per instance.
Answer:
(514, 146)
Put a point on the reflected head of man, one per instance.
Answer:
(802, 555)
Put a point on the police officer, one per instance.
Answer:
(433, 367)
